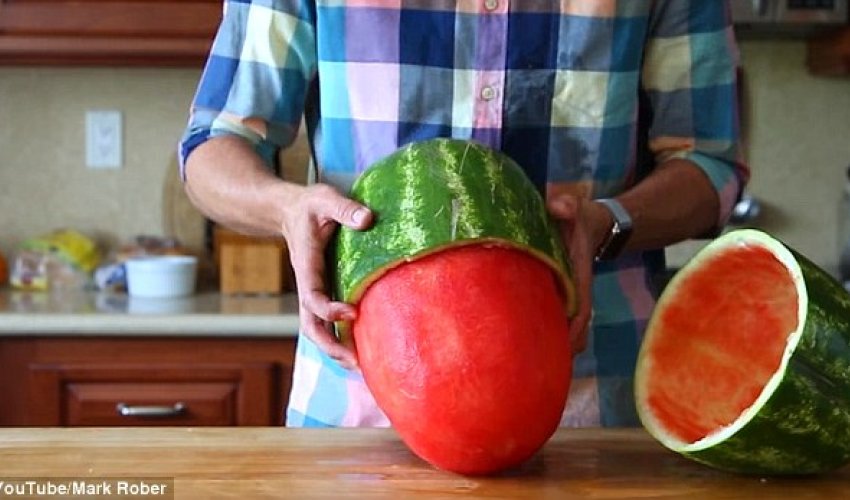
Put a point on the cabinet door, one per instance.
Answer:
(159, 381)
(95, 394)
(107, 32)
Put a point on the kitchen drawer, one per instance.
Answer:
(93, 394)
(70, 381)
(123, 404)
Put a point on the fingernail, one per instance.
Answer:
(359, 215)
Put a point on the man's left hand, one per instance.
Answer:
(583, 225)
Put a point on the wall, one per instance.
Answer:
(44, 180)
(799, 149)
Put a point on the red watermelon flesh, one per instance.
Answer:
(467, 352)
(756, 296)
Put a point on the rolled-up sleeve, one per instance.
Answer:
(690, 74)
(256, 77)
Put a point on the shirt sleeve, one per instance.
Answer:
(690, 73)
(256, 76)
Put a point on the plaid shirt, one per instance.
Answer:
(581, 93)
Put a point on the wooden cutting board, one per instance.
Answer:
(248, 463)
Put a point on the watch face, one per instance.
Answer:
(618, 241)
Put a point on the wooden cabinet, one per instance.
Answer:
(138, 381)
(830, 55)
(107, 32)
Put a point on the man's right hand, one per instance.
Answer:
(308, 225)
(229, 183)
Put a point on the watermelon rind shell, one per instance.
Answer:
(431, 195)
(800, 423)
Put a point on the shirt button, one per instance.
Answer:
(488, 93)
(491, 4)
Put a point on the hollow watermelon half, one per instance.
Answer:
(463, 295)
(745, 365)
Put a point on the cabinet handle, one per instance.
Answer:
(126, 410)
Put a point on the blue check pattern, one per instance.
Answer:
(586, 95)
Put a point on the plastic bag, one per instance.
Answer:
(63, 259)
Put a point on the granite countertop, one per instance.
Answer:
(111, 313)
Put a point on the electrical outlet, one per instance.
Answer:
(104, 148)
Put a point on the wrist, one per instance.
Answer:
(600, 221)
(287, 202)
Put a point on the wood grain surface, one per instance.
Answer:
(267, 462)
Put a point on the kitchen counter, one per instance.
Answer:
(373, 463)
(81, 313)
(70, 359)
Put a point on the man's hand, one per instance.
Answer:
(308, 227)
(229, 183)
(582, 224)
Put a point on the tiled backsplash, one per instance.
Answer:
(798, 152)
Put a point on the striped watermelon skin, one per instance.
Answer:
(802, 424)
(438, 193)
(804, 428)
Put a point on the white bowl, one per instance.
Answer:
(161, 275)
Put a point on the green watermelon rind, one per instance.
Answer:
(800, 423)
(440, 193)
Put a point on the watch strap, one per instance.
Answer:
(620, 231)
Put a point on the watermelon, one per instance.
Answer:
(745, 364)
(464, 295)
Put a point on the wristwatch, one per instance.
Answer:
(619, 233)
